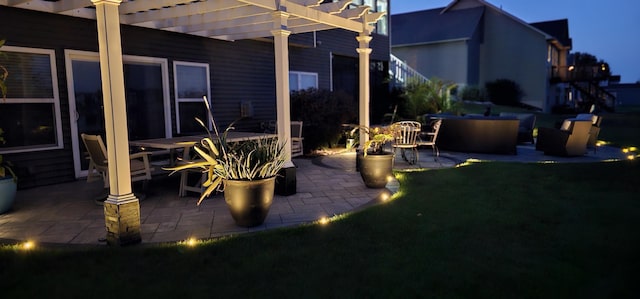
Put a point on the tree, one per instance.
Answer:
(589, 66)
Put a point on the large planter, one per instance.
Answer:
(249, 201)
(375, 169)
(8, 187)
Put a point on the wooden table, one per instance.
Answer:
(186, 142)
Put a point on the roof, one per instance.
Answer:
(556, 28)
(428, 26)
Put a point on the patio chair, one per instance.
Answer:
(431, 137)
(570, 140)
(98, 162)
(595, 128)
(405, 135)
(296, 139)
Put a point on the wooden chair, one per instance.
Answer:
(296, 139)
(429, 138)
(98, 162)
(405, 135)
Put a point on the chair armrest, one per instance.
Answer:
(143, 155)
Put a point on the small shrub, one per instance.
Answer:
(504, 92)
(322, 112)
(433, 96)
(472, 93)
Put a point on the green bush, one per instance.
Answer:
(432, 96)
(472, 93)
(322, 112)
(504, 92)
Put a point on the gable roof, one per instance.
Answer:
(559, 29)
(429, 26)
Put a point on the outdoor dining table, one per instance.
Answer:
(186, 142)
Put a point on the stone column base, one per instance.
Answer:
(122, 219)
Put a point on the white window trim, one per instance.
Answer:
(55, 100)
(189, 100)
(298, 74)
(76, 55)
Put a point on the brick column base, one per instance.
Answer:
(122, 219)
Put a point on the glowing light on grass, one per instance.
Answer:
(324, 220)
(631, 157)
(191, 242)
(28, 245)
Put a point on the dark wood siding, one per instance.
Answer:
(240, 71)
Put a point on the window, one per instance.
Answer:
(302, 80)
(30, 116)
(191, 83)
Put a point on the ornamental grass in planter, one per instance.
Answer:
(374, 163)
(245, 172)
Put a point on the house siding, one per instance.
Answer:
(447, 60)
(240, 71)
(513, 51)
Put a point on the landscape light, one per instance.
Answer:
(324, 220)
(28, 245)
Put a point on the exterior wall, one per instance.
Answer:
(447, 61)
(512, 50)
(239, 71)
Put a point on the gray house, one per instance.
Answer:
(471, 42)
(244, 55)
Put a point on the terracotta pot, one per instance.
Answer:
(249, 201)
(375, 169)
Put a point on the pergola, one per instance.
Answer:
(219, 19)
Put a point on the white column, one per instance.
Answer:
(363, 54)
(283, 103)
(121, 209)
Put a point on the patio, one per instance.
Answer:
(326, 186)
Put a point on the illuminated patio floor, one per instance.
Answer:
(326, 186)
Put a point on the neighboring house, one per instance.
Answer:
(627, 95)
(471, 42)
(172, 55)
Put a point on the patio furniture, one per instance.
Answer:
(525, 127)
(479, 134)
(595, 128)
(570, 140)
(429, 138)
(296, 139)
(98, 164)
(405, 135)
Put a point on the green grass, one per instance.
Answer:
(488, 230)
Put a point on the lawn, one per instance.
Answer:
(486, 230)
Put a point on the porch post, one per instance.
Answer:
(122, 208)
(363, 54)
(286, 181)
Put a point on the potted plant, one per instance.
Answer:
(245, 172)
(374, 163)
(8, 182)
(8, 179)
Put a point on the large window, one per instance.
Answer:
(191, 84)
(30, 116)
(302, 80)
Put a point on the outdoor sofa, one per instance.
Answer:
(478, 134)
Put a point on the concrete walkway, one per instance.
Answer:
(326, 186)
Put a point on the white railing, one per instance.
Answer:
(400, 72)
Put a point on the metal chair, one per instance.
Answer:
(405, 138)
(431, 137)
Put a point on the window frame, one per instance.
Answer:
(55, 100)
(176, 89)
(299, 74)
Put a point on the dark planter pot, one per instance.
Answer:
(249, 201)
(375, 169)
(8, 187)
